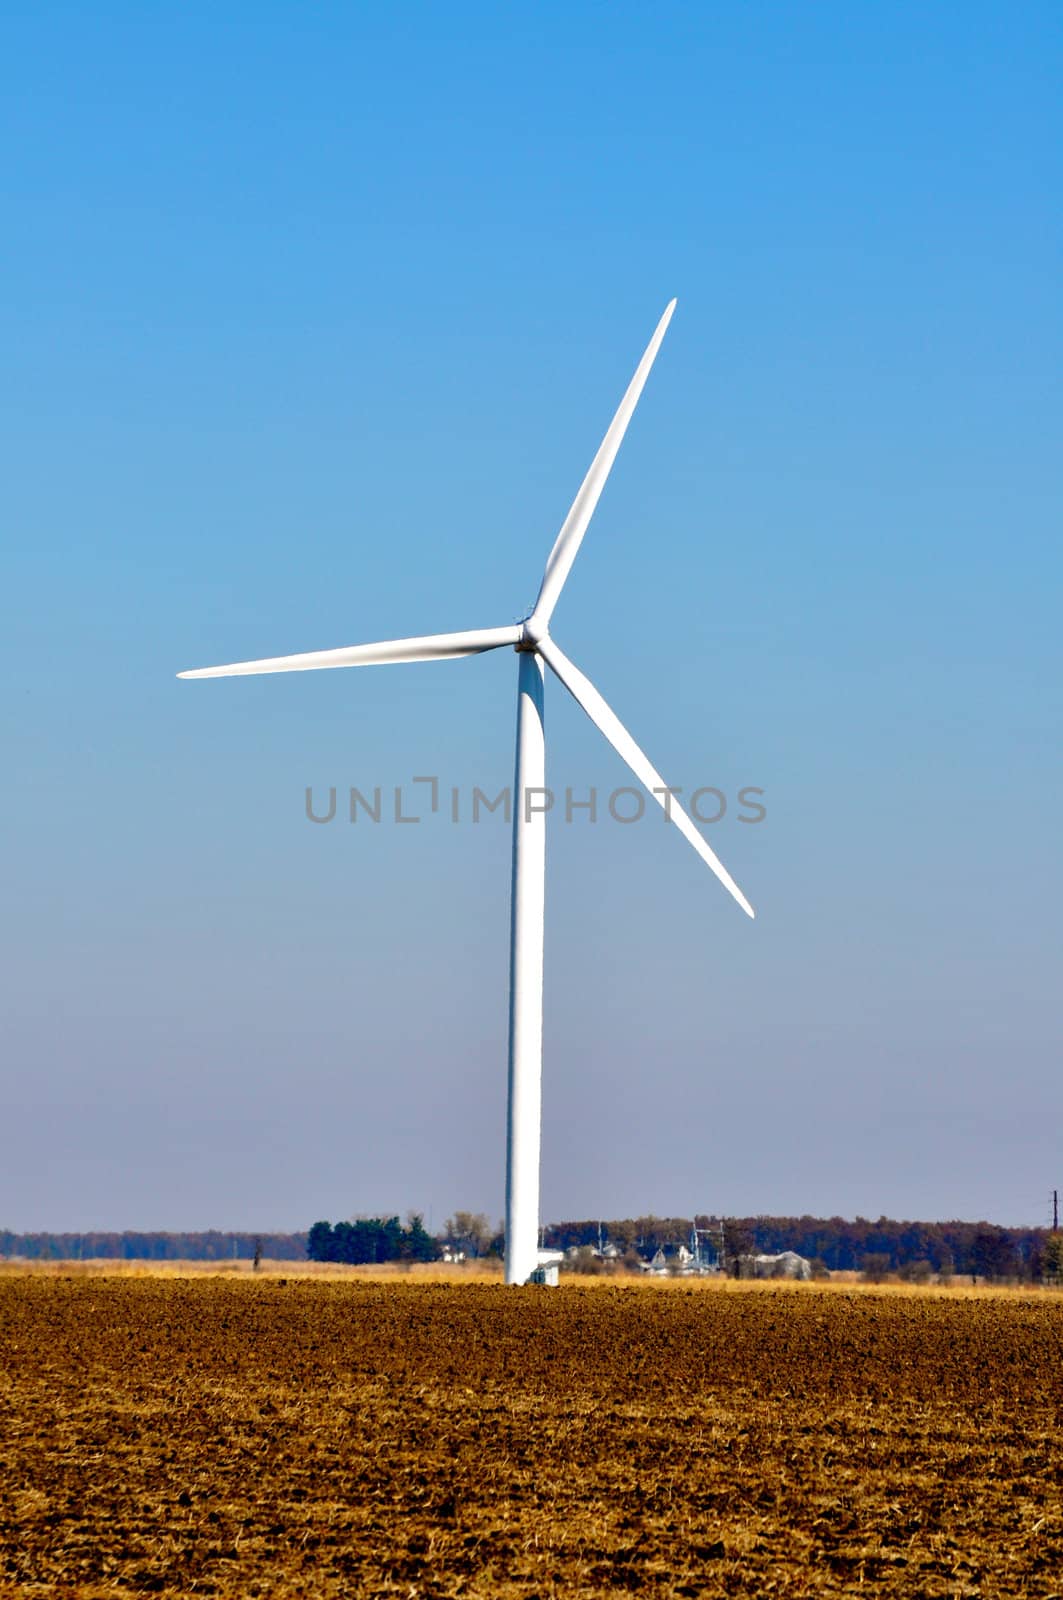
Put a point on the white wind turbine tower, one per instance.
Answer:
(535, 647)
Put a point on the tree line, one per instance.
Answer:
(372, 1239)
(361, 1240)
(213, 1245)
(981, 1249)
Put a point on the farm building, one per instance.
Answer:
(788, 1264)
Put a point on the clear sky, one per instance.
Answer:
(312, 318)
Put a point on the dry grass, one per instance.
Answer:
(328, 1272)
(490, 1271)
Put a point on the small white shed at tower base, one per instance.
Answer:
(546, 1271)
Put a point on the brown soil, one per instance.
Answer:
(237, 1437)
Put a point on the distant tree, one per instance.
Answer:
(1051, 1262)
(417, 1245)
(374, 1239)
(993, 1255)
(739, 1243)
(568, 1235)
(368, 1240)
(622, 1234)
(584, 1260)
(876, 1266)
(319, 1242)
(468, 1231)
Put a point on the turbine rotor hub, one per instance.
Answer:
(532, 634)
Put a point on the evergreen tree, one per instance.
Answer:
(319, 1242)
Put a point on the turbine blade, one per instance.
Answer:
(433, 647)
(585, 694)
(575, 524)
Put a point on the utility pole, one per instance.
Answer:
(1055, 1210)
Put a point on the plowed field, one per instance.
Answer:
(262, 1437)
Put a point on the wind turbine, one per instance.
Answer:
(536, 649)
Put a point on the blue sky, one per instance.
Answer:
(312, 320)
